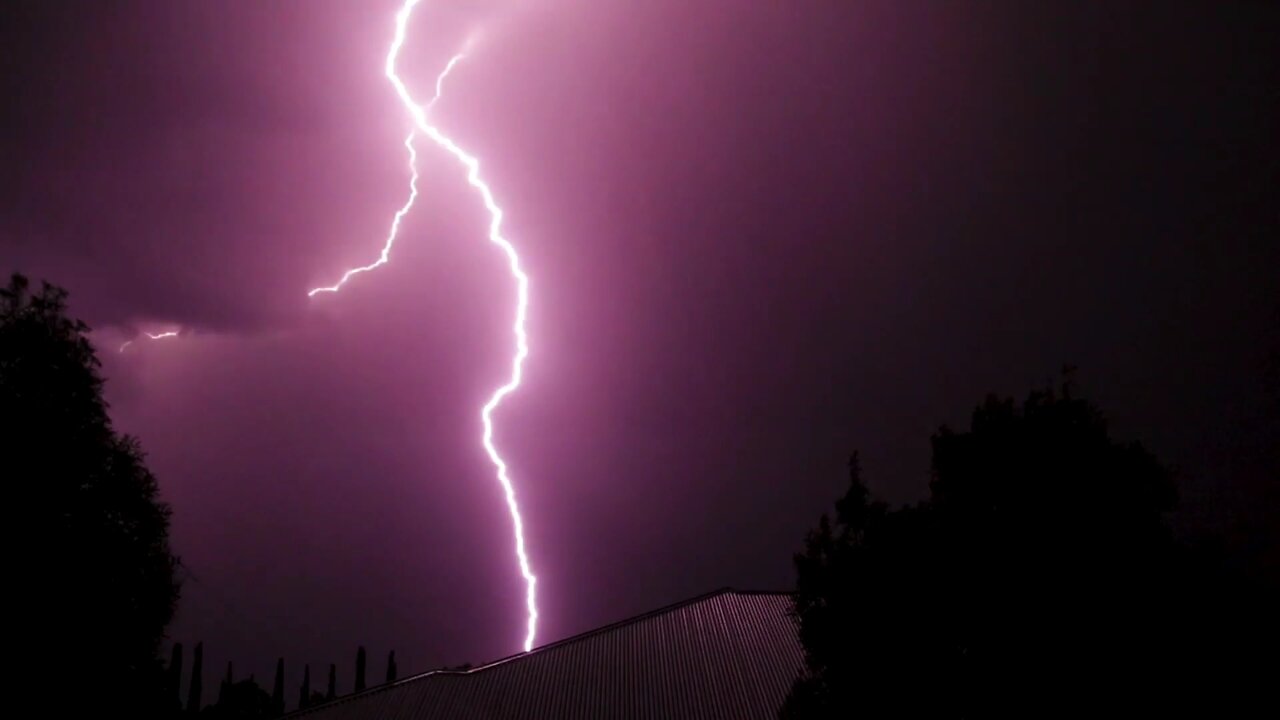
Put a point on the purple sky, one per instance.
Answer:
(760, 235)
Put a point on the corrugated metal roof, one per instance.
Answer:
(728, 654)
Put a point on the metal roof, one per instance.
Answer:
(728, 654)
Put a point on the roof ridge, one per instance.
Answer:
(611, 626)
(725, 590)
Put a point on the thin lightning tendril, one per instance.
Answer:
(395, 226)
(385, 257)
(151, 336)
(472, 165)
(440, 80)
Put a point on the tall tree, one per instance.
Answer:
(1041, 566)
(226, 684)
(175, 675)
(91, 523)
(391, 667)
(195, 689)
(360, 669)
(304, 693)
(332, 691)
(277, 689)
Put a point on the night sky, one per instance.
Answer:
(760, 235)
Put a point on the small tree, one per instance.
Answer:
(332, 691)
(277, 689)
(226, 684)
(391, 667)
(175, 675)
(195, 691)
(304, 693)
(360, 669)
(243, 700)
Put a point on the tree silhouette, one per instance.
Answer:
(174, 683)
(359, 669)
(304, 693)
(243, 700)
(226, 684)
(1041, 570)
(391, 667)
(195, 690)
(277, 689)
(95, 570)
(332, 691)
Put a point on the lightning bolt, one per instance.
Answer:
(155, 336)
(418, 113)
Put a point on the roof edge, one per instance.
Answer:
(558, 643)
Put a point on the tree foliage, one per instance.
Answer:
(89, 535)
(242, 700)
(1040, 576)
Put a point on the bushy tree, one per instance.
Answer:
(91, 566)
(242, 700)
(1039, 577)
